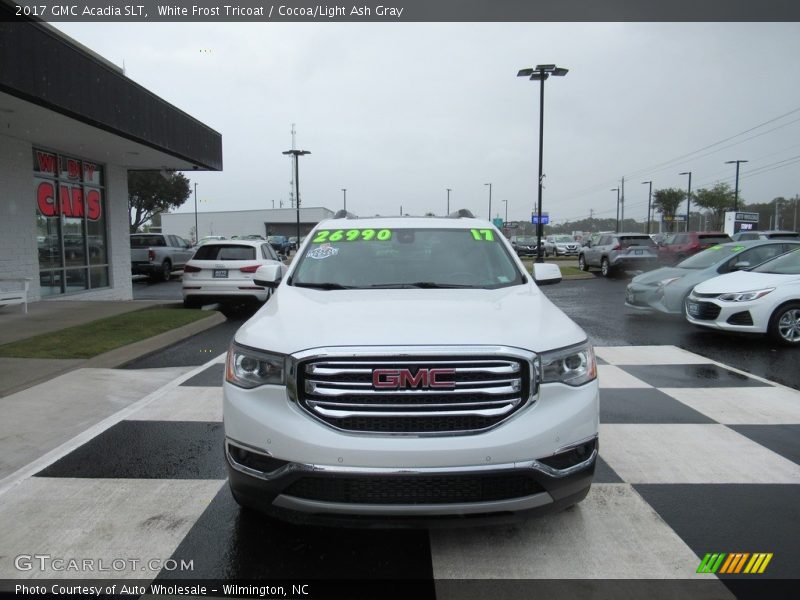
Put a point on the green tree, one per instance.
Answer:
(717, 200)
(666, 201)
(151, 192)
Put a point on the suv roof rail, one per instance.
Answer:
(461, 213)
(343, 214)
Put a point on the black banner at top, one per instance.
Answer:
(403, 11)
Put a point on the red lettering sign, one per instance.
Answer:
(71, 201)
(46, 199)
(93, 212)
(47, 162)
(73, 169)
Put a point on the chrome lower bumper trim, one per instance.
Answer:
(461, 470)
(315, 506)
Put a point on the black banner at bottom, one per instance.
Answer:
(374, 589)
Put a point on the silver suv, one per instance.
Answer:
(617, 252)
(561, 245)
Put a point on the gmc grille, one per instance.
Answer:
(481, 392)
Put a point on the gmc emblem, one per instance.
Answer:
(393, 379)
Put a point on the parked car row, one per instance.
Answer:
(717, 288)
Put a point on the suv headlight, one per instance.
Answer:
(574, 365)
(249, 368)
(745, 296)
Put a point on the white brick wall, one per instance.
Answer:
(18, 248)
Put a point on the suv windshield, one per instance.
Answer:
(526, 240)
(564, 239)
(408, 257)
(785, 264)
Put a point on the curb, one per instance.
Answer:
(120, 356)
(125, 354)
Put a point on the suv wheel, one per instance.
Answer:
(582, 263)
(605, 268)
(784, 326)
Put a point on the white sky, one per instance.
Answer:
(396, 113)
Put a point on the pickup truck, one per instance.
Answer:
(158, 255)
(409, 370)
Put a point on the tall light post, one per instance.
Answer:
(506, 203)
(448, 200)
(649, 198)
(540, 73)
(688, 196)
(344, 192)
(617, 190)
(736, 189)
(196, 231)
(490, 200)
(296, 154)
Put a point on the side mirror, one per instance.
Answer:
(268, 276)
(741, 265)
(546, 273)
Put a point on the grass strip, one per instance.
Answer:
(97, 337)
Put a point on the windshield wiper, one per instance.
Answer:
(422, 284)
(324, 286)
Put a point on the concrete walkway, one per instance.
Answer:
(17, 374)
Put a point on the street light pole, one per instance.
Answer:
(617, 190)
(688, 196)
(448, 200)
(736, 189)
(490, 200)
(196, 231)
(649, 198)
(297, 154)
(540, 73)
(344, 191)
(506, 203)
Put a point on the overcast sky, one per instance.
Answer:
(397, 113)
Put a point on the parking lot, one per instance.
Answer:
(698, 451)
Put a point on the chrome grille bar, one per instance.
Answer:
(415, 391)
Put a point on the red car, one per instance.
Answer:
(682, 245)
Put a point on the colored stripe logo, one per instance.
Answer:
(735, 563)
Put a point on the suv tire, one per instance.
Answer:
(605, 267)
(582, 263)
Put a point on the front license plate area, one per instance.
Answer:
(692, 308)
(220, 273)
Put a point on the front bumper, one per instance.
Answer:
(744, 317)
(648, 298)
(336, 494)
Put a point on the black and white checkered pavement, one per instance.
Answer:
(696, 457)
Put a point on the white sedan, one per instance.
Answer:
(765, 299)
(222, 271)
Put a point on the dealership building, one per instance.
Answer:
(71, 127)
(273, 221)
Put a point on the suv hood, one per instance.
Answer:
(743, 281)
(296, 319)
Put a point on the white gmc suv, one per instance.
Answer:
(409, 369)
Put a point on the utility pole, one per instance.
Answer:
(795, 212)
(490, 200)
(448, 202)
(291, 181)
(196, 231)
(736, 189)
(688, 196)
(344, 191)
(622, 204)
(649, 198)
(777, 214)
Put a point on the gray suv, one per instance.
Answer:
(617, 252)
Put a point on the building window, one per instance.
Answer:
(70, 223)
